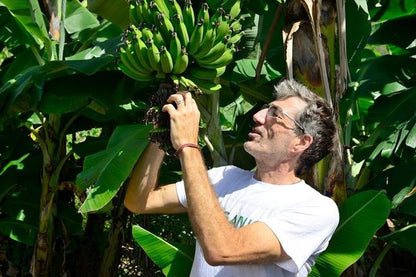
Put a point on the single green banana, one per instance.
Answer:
(223, 29)
(165, 26)
(175, 80)
(189, 85)
(188, 16)
(235, 9)
(162, 7)
(166, 60)
(137, 33)
(236, 25)
(181, 30)
(214, 54)
(181, 62)
(206, 74)
(224, 60)
(134, 17)
(216, 18)
(157, 37)
(236, 38)
(205, 15)
(174, 46)
(147, 13)
(175, 8)
(196, 37)
(141, 53)
(206, 44)
(146, 33)
(154, 55)
(227, 4)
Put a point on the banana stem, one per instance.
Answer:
(213, 130)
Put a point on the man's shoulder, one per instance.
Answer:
(227, 173)
(228, 169)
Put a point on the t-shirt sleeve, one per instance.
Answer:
(303, 232)
(214, 175)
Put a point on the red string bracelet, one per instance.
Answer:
(180, 148)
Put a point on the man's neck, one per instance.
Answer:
(283, 174)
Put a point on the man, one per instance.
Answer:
(263, 223)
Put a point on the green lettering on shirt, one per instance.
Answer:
(238, 220)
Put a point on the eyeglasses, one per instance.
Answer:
(277, 112)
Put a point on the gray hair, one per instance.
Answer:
(317, 118)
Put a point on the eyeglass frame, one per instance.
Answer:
(272, 114)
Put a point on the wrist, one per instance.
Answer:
(181, 147)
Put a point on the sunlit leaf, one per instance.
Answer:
(78, 18)
(173, 260)
(108, 169)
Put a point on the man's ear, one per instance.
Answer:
(303, 143)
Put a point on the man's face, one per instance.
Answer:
(273, 135)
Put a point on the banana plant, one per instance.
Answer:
(46, 88)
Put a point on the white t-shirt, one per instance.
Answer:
(302, 219)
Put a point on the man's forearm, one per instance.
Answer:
(206, 215)
(143, 178)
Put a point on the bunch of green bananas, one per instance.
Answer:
(167, 38)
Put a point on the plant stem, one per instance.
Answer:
(379, 259)
(214, 133)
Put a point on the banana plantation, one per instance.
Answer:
(81, 91)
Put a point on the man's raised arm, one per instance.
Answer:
(143, 194)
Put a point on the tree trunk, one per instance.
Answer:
(48, 141)
(112, 253)
(309, 39)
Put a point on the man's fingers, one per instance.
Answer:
(176, 98)
(169, 108)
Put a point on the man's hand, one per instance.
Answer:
(184, 119)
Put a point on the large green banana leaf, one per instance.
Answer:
(108, 169)
(361, 216)
(173, 260)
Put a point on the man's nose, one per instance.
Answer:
(260, 116)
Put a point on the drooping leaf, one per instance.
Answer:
(108, 169)
(13, 88)
(361, 216)
(173, 260)
(30, 18)
(404, 238)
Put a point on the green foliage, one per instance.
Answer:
(77, 81)
(174, 260)
(107, 170)
(369, 211)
